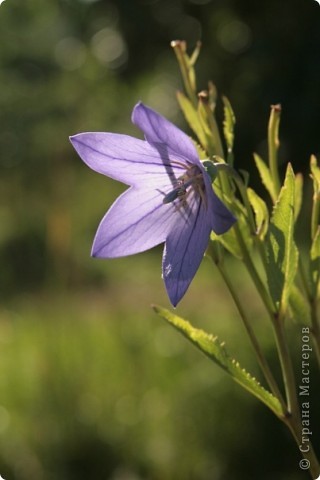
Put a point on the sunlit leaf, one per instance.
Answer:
(209, 125)
(261, 212)
(273, 145)
(195, 54)
(228, 123)
(315, 262)
(216, 351)
(186, 67)
(265, 176)
(315, 175)
(298, 194)
(315, 171)
(282, 253)
(192, 118)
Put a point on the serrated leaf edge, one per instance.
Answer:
(194, 335)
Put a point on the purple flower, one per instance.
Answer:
(170, 198)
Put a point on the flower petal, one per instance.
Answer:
(137, 221)
(158, 129)
(184, 250)
(126, 159)
(220, 217)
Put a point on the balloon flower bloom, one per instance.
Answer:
(170, 198)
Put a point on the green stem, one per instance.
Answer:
(306, 450)
(256, 346)
(286, 367)
(283, 352)
(246, 202)
(267, 300)
(268, 303)
(185, 65)
(293, 419)
(277, 323)
(304, 280)
(313, 301)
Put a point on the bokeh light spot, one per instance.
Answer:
(70, 53)
(109, 47)
(234, 36)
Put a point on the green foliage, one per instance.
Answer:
(298, 196)
(216, 351)
(315, 175)
(273, 145)
(186, 64)
(228, 124)
(315, 263)
(265, 176)
(230, 240)
(274, 236)
(261, 213)
(191, 115)
(282, 253)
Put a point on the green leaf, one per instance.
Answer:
(209, 125)
(282, 253)
(261, 213)
(245, 176)
(195, 54)
(192, 118)
(298, 195)
(228, 123)
(273, 145)
(315, 172)
(265, 176)
(216, 351)
(315, 262)
(315, 175)
(229, 241)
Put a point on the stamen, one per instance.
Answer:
(185, 166)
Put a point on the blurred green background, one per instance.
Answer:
(92, 383)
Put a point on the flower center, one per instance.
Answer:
(190, 181)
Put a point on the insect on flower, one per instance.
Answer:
(179, 192)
